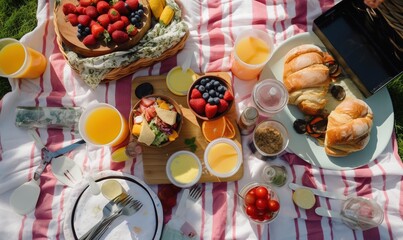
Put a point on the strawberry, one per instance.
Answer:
(94, 2)
(210, 110)
(97, 30)
(118, 25)
(92, 12)
(103, 7)
(72, 18)
(81, 10)
(222, 106)
(131, 30)
(69, 8)
(119, 36)
(104, 20)
(198, 105)
(121, 8)
(92, 23)
(125, 20)
(132, 4)
(113, 15)
(146, 102)
(111, 29)
(85, 3)
(89, 40)
(228, 96)
(84, 20)
(195, 93)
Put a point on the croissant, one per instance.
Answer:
(306, 78)
(348, 129)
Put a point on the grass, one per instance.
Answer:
(17, 17)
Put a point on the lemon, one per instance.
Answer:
(303, 198)
(120, 155)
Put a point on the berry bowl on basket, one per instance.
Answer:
(156, 120)
(210, 97)
(260, 203)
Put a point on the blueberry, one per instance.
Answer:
(133, 20)
(216, 101)
(87, 30)
(221, 95)
(206, 96)
(140, 12)
(138, 24)
(197, 86)
(80, 26)
(202, 88)
(203, 82)
(79, 35)
(211, 101)
(217, 84)
(209, 86)
(220, 89)
(211, 92)
(132, 14)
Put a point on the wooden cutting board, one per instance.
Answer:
(155, 159)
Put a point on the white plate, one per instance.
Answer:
(85, 210)
(306, 147)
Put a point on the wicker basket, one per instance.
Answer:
(120, 72)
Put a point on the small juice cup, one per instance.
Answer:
(183, 169)
(19, 61)
(223, 157)
(253, 49)
(101, 124)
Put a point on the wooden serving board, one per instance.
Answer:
(68, 33)
(155, 159)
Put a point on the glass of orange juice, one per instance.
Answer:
(223, 157)
(101, 124)
(253, 49)
(20, 61)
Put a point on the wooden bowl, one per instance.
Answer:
(198, 83)
(68, 33)
(179, 120)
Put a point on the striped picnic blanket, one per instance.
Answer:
(213, 27)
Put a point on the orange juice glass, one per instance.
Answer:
(19, 61)
(223, 157)
(253, 49)
(101, 124)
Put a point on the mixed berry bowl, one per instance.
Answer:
(210, 97)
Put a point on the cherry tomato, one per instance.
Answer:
(261, 192)
(273, 205)
(251, 211)
(268, 216)
(261, 204)
(250, 199)
(252, 191)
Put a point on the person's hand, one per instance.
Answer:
(373, 3)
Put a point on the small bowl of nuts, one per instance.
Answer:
(270, 139)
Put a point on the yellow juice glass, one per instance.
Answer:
(101, 124)
(253, 49)
(223, 157)
(19, 61)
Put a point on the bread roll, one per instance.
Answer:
(348, 128)
(306, 78)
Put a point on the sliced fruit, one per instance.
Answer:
(230, 131)
(303, 198)
(214, 129)
(120, 155)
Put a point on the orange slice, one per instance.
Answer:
(213, 129)
(229, 129)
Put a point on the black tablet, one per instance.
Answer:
(363, 43)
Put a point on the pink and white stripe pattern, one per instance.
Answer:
(213, 25)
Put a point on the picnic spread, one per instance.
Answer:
(152, 130)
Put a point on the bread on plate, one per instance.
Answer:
(348, 129)
(306, 78)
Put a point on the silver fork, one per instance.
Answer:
(130, 209)
(111, 208)
(195, 193)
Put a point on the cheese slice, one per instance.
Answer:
(167, 116)
(147, 136)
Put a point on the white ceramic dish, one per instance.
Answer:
(85, 209)
(306, 147)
